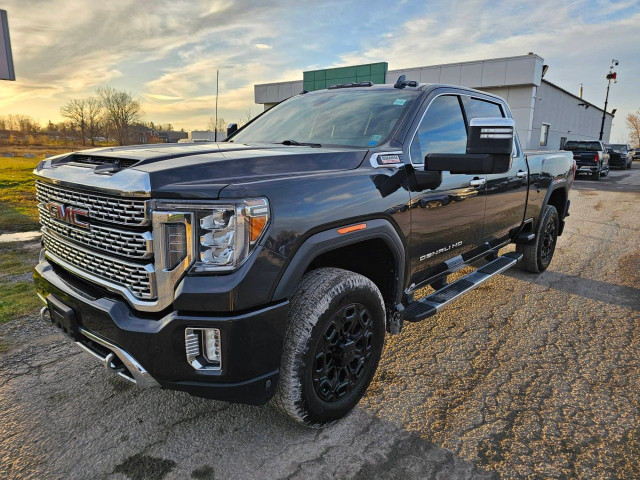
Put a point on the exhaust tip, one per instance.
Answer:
(44, 313)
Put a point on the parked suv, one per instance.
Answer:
(272, 265)
(620, 155)
(591, 157)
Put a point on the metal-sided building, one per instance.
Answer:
(546, 115)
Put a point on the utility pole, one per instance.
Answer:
(215, 127)
(610, 76)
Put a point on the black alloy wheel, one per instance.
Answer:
(343, 353)
(548, 241)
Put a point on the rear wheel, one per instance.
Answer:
(596, 175)
(332, 346)
(537, 256)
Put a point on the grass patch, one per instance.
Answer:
(17, 299)
(18, 210)
(17, 292)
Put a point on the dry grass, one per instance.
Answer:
(17, 292)
(18, 212)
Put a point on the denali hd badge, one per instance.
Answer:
(67, 214)
(441, 250)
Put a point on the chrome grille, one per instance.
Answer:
(126, 243)
(138, 279)
(100, 207)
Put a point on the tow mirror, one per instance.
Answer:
(489, 149)
(491, 136)
(231, 129)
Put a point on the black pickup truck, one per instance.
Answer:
(272, 265)
(620, 155)
(592, 157)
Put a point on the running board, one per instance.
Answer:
(428, 306)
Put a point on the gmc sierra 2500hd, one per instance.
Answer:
(272, 265)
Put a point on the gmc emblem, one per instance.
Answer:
(67, 214)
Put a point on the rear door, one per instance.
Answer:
(445, 221)
(506, 192)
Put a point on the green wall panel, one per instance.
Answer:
(319, 79)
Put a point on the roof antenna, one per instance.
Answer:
(401, 82)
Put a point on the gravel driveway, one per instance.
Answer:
(528, 376)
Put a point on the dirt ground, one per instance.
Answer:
(528, 376)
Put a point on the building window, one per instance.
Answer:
(563, 140)
(544, 134)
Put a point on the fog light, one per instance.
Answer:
(203, 348)
(212, 344)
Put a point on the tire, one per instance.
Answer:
(328, 359)
(538, 255)
(596, 175)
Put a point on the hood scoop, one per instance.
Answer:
(103, 165)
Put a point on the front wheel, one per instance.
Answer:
(332, 346)
(537, 256)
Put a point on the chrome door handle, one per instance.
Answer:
(521, 174)
(477, 182)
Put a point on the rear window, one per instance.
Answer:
(582, 146)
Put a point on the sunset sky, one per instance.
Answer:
(166, 52)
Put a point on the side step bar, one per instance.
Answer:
(428, 306)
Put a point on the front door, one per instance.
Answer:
(446, 221)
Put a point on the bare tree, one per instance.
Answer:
(633, 124)
(75, 111)
(94, 117)
(121, 109)
(220, 127)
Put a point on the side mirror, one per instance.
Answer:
(489, 149)
(231, 129)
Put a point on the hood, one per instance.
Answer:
(203, 170)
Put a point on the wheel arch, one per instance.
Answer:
(330, 248)
(558, 196)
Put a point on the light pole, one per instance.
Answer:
(215, 127)
(610, 76)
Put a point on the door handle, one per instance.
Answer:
(477, 182)
(521, 174)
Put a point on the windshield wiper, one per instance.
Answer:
(305, 144)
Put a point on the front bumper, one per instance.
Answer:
(251, 341)
(618, 161)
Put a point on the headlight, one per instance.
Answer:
(227, 234)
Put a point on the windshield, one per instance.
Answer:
(583, 146)
(344, 117)
(618, 147)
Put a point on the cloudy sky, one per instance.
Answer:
(166, 52)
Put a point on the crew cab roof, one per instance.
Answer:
(424, 87)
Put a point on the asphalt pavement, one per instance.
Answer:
(527, 376)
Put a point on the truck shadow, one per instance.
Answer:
(628, 297)
(69, 403)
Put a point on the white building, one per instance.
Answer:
(546, 115)
(196, 136)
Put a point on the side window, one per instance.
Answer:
(476, 108)
(544, 134)
(442, 130)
